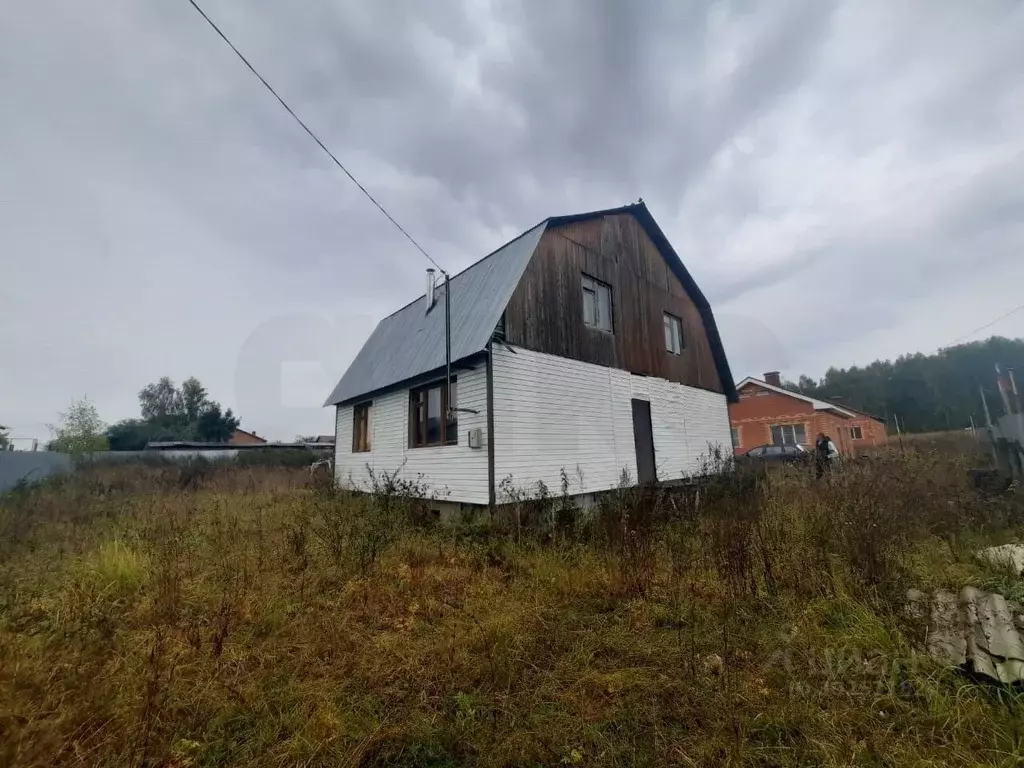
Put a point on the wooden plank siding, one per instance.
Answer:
(545, 312)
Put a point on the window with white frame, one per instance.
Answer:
(735, 431)
(673, 334)
(789, 434)
(597, 304)
(856, 433)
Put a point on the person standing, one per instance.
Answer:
(825, 453)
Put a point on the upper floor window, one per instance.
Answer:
(361, 428)
(597, 304)
(673, 334)
(428, 424)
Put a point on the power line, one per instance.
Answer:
(986, 325)
(312, 135)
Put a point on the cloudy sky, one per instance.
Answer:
(844, 179)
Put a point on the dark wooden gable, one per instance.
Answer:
(545, 312)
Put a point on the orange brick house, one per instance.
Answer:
(241, 437)
(768, 414)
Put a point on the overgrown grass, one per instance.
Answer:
(229, 616)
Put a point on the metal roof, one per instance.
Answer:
(196, 445)
(411, 341)
(819, 405)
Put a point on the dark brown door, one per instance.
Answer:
(643, 439)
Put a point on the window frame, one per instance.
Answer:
(674, 342)
(362, 437)
(734, 433)
(859, 434)
(420, 406)
(595, 287)
(792, 427)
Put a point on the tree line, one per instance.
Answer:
(173, 413)
(167, 412)
(927, 393)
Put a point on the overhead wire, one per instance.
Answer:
(312, 135)
(384, 211)
(986, 325)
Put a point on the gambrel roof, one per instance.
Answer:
(411, 342)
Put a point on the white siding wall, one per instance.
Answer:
(688, 423)
(551, 412)
(450, 473)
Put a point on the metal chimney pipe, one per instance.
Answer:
(430, 289)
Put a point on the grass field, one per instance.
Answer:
(250, 617)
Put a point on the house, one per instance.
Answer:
(582, 345)
(766, 413)
(241, 437)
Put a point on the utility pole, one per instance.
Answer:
(1019, 437)
(447, 354)
(988, 424)
(1013, 389)
(984, 405)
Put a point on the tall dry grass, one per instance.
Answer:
(174, 616)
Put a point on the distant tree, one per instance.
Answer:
(5, 438)
(130, 434)
(194, 399)
(214, 426)
(173, 413)
(162, 402)
(79, 430)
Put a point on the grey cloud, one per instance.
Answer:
(163, 215)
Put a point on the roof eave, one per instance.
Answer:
(462, 364)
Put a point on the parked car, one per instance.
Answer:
(776, 454)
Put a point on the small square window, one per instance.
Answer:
(597, 304)
(673, 334)
(361, 428)
(856, 433)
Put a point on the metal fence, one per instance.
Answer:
(30, 466)
(33, 466)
